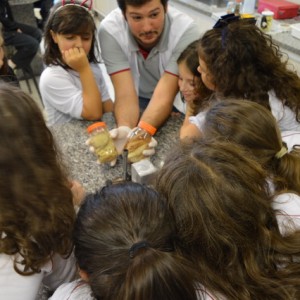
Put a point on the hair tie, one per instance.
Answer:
(282, 152)
(137, 246)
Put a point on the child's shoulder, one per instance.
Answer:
(53, 72)
(75, 290)
(52, 69)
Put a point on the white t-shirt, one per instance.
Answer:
(120, 50)
(14, 286)
(291, 138)
(284, 116)
(288, 204)
(287, 208)
(62, 93)
(80, 290)
(76, 290)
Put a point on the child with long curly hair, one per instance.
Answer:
(191, 88)
(36, 202)
(254, 128)
(237, 60)
(225, 223)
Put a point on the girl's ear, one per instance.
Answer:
(54, 37)
(84, 276)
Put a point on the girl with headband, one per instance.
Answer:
(72, 85)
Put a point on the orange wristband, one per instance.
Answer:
(149, 128)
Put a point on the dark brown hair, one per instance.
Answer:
(124, 241)
(254, 127)
(123, 3)
(225, 222)
(37, 212)
(245, 63)
(69, 19)
(189, 56)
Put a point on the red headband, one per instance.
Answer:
(81, 4)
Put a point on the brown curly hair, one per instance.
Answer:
(37, 212)
(245, 63)
(226, 224)
(189, 56)
(254, 127)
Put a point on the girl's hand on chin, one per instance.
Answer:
(75, 58)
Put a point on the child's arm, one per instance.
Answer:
(78, 192)
(189, 130)
(91, 97)
(107, 106)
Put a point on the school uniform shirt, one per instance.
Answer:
(121, 52)
(291, 138)
(14, 286)
(287, 205)
(285, 117)
(61, 92)
(76, 290)
(80, 290)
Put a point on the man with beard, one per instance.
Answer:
(140, 43)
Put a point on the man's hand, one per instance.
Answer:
(151, 147)
(119, 136)
(139, 145)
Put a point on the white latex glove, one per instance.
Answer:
(119, 136)
(151, 148)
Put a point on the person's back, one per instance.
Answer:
(252, 126)
(37, 212)
(124, 245)
(225, 222)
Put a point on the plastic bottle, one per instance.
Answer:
(138, 141)
(230, 7)
(101, 143)
(238, 7)
(249, 7)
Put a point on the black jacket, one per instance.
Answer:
(6, 17)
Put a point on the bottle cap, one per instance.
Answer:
(95, 125)
(149, 128)
(267, 13)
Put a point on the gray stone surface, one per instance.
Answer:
(71, 137)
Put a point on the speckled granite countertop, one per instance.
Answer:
(284, 39)
(82, 164)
